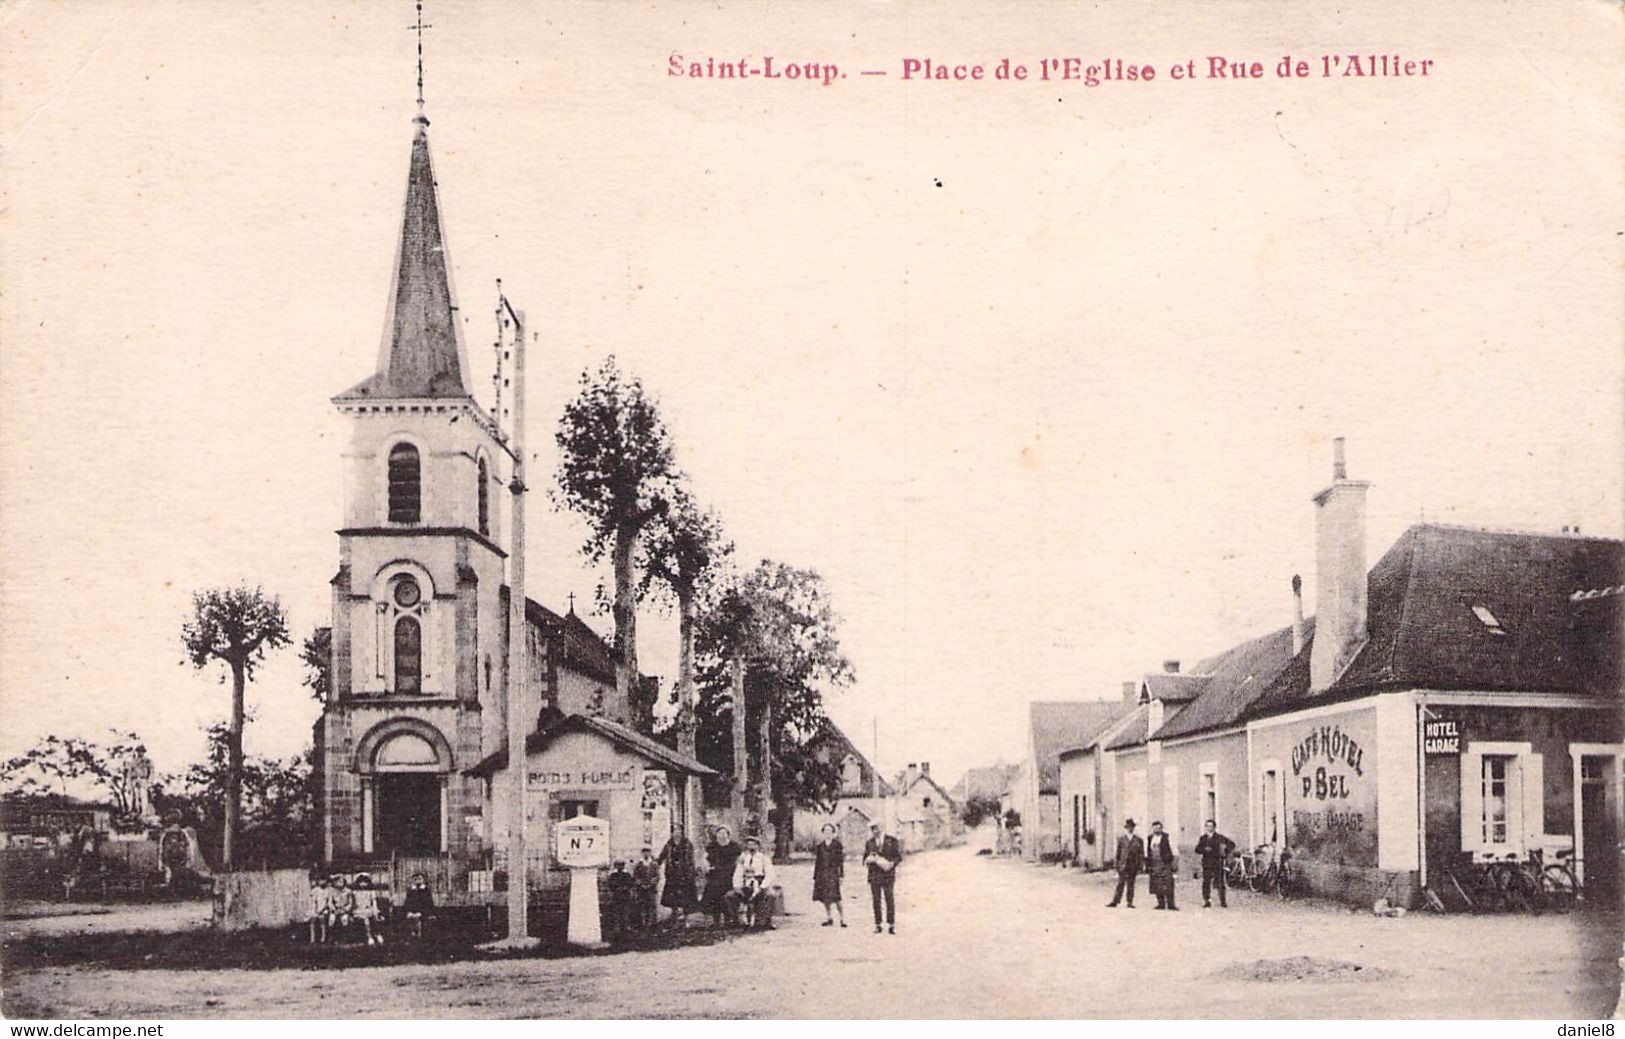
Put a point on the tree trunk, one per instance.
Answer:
(764, 767)
(234, 766)
(687, 723)
(741, 761)
(627, 687)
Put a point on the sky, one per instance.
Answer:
(1039, 377)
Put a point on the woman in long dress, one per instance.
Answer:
(723, 855)
(678, 858)
(829, 866)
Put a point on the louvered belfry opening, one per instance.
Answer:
(405, 485)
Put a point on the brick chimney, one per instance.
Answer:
(925, 768)
(1340, 574)
(1171, 666)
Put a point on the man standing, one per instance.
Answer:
(1215, 849)
(752, 877)
(1159, 853)
(881, 855)
(1130, 860)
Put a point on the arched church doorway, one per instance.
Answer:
(408, 793)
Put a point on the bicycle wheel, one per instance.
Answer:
(1558, 886)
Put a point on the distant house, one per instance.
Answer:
(1458, 701)
(1053, 726)
(1086, 829)
(987, 784)
(864, 796)
(926, 815)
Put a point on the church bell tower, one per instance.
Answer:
(418, 601)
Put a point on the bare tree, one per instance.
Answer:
(236, 626)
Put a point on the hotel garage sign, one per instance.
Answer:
(1441, 737)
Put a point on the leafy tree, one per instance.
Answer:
(775, 629)
(979, 808)
(317, 656)
(684, 551)
(119, 769)
(237, 627)
(277, 809)
(615, 459)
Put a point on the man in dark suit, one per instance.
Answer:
(1130, 860)
(882, 854)
(1159, 856)
(1215, 849)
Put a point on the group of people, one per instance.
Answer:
(1155, 855)
(740, 881)
(339, 901)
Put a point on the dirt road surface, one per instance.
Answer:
(978, 938)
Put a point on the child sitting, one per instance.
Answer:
(321, 901)
(340, 904)
(366, 907)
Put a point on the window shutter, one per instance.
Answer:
(1534, 800)
(1472, 800)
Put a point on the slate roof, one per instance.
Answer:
(421, 354)
(1423, 633)
(1059, 725)
(584, 649)
(615, 732)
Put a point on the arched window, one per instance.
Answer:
(405, 485)
(408, 656)
(485, 498)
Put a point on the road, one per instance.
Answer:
(978, 938)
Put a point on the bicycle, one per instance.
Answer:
(1239, 870)
(1560, 882)
(1518, 882)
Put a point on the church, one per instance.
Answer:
(413, 730)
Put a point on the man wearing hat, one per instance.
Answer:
(752, 877)
(1130, 860)
(881, 855)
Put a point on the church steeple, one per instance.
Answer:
(422, 351)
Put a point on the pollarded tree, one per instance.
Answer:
(615, 461)
(317, 656)
(684, 551)
(237, 627)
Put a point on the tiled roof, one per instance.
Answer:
(1133, 734)
(983, 782)
(1059, 725)
(1175, 688)
(831, 733)
(615, 732)
(421, 354)
(1235, 678)
(1425, 634)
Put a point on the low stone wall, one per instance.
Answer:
(272, 898)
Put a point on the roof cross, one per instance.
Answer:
(418, 28)
(572, 602)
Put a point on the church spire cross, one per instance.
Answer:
(418, 27)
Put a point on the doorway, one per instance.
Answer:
(408, 815)
(1599, 828)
